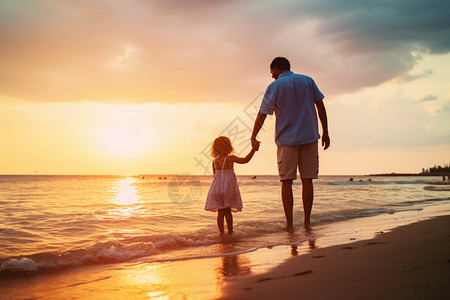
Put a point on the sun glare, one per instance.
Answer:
(125, 140)
(126, 192)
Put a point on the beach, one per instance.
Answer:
(393, 256)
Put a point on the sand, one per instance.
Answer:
(411, 262)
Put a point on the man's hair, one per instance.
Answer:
(281, 63)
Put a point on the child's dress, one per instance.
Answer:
(224, 191)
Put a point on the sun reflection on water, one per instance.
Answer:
(126, 192)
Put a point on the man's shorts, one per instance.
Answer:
(306, 157)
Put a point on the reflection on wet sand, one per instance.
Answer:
(312, 244)
(232, 265)
(294, 251)
(176, 279)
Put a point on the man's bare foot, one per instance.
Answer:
(289, 229)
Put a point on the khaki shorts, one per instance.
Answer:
(306, 157)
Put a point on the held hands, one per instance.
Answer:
(255, 144)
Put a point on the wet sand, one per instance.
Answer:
(411, 262)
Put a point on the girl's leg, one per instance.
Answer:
(220, 216)
(229, 218)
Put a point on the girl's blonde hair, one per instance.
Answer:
(221, 146)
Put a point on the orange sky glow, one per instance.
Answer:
(144, 87)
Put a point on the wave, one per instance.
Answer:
(423, 201)
(346, 214)
(437, 188)
(127, 249)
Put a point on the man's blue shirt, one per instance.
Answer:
(292, 97)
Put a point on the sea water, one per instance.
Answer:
(51, 223)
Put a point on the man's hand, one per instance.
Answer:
(260, 118)
(325, 141)
(322, 112)
(255, 144)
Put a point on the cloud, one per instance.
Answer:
(208, 51)
(411, 77)
(383, 25)
(377, 41)
(428, 98)
(388, 120)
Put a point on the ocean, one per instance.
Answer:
(50, 223)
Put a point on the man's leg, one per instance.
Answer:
(288, 202)
(307, 197)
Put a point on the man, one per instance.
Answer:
(294, 99)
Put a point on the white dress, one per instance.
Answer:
(224, 191)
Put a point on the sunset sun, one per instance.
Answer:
(125, 140)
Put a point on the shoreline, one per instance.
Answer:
(242, 276)
(411, 261)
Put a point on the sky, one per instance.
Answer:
(144, 87)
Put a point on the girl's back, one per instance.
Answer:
(223, 163)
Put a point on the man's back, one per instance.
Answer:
(292, 97)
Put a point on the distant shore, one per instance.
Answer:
(410, 174)
(143, 176)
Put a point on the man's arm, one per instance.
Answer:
(259, 122)
(324, 121)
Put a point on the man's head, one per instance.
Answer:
(278, 66)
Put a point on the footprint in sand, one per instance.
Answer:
(374, 243)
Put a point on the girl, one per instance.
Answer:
(224, 196)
